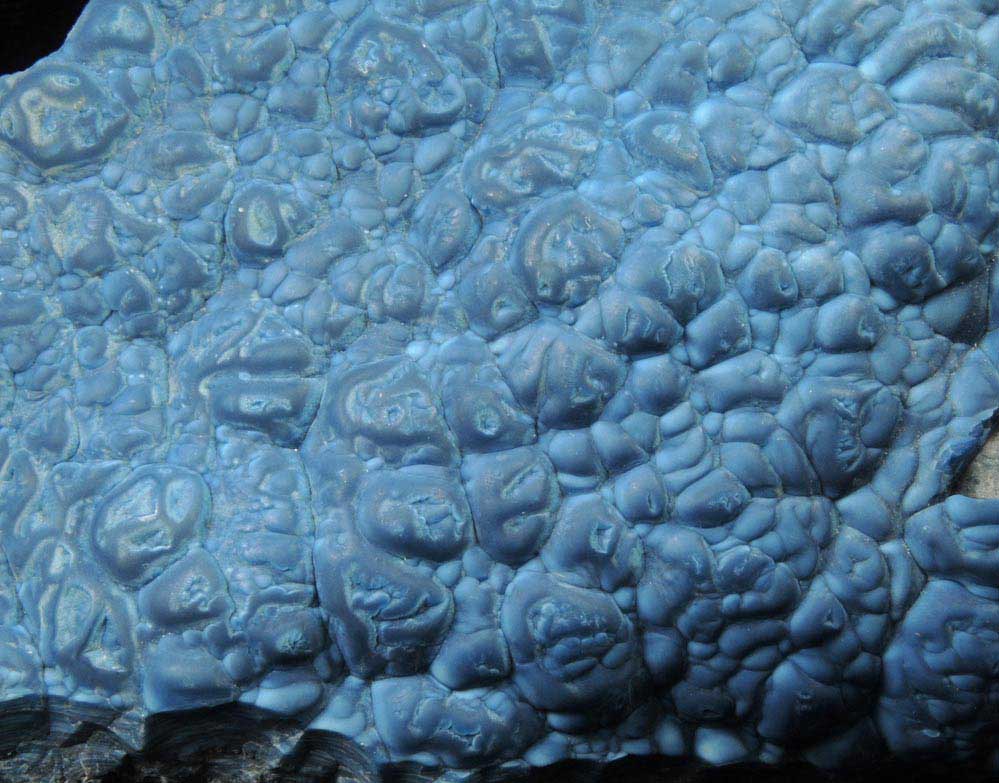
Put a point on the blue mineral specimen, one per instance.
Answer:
(454, 385)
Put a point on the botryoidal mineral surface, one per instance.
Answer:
(445, 385)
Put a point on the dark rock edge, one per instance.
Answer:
(57, 741)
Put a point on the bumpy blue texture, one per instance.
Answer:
(494, 383)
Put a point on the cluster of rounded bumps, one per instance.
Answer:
(499, 383)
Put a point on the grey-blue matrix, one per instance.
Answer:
(483, 385)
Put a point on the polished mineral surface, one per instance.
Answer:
(445, 385)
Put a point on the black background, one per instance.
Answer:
(31, 29)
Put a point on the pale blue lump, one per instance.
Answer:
(489, 384)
